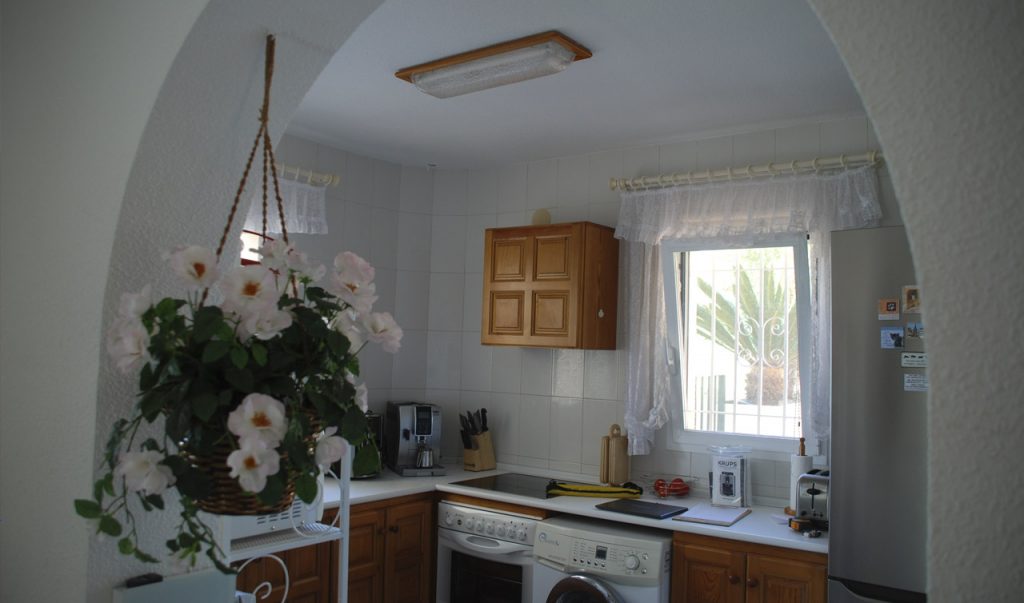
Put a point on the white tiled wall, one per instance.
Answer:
(547, 408)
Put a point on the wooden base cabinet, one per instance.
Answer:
(391, 550)
(716, 570)
(553, 286)
(312, 573)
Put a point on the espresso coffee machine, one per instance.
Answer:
(412, 438)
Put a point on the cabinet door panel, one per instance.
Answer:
(553, 258)
(777, 580)
(508, 259)
(506, 313)
(703, 574)
(366, 555)
(407, 565)
(551, 314)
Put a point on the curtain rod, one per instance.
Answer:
(311, 177)
(777, 168)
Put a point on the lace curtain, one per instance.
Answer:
(304, 209)
(731, 213)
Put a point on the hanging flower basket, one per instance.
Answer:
(254, 373)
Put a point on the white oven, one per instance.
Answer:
(483, 556)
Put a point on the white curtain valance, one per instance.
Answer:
(725, 213)
(305, 209)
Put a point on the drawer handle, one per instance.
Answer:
(752, 583)
(734, 579)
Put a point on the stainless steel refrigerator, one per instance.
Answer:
(878, 496)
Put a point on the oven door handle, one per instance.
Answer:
(486, 546)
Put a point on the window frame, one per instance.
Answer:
(687, 440)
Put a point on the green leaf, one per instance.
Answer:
(271, 494)
(108, 484)
(126, 546)
(186, 540)
(193, 483)
(306, 487)
(215, 350)
(354, 426)
(144, 557)
(147, 377)
(259, 354)
(156, 500)
(206, 322)
(97, 491)
(367, 459)
(204, 406)
(88, 509)
(224, 569)
(338, 343)
(150, 444)
(239, 379)
(172, 545)
(239, 357)
(178, 421)
(110, 526)
(151, 404)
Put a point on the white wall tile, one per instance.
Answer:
(385, 283)
(481, 191)
(536, 375)
(472, 302)
(849, 136)
(414, 241)
(446, 293)
(797, 142)
(604, 166)
(476, 363)
(451, 443)
(573, 188)
(678, 157)
(604, 213)
(448, 243)
(444, 360)
(356, 231)
(640, 161)
(714, 153)
(417, 190)
(700, 465)
(600, 371)
(503, 422)
(387, 185)
(449, 193)
(542, 184)
(526, 461)
(591, 470)
(296, 151)
(384, 238)
(567, 377)
(410, 368)
(573, 213)
(474, 252)
(412, 299)
(506, 369)
(753, 148)
(598, 417)
(409, 394)
(358, 179)
(331, 161)
(512, 188)
(762, 472)
(566, 430)
(515, 218)
(375, 368)
(535, 427)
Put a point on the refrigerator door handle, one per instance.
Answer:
(877, 592)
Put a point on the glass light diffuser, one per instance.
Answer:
(497, 70)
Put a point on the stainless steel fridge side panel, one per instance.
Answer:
(878, 491)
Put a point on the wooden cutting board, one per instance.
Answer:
(614, 457)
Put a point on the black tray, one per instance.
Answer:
(642, 508)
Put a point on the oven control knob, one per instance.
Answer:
(490, 528)
(501, 530)
(521, 534)
(449, 518)
(479, 525)
(632, 562)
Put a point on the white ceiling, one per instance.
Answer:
(661, 69)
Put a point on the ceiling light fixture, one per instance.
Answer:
(497, 65)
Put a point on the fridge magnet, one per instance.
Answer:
(888, 308)
(892, 338)
(911, 299)
(913, 360)
(915, 382)
(914, 330)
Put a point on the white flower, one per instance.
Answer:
(382, 329)
(348, 325)
(362, 396)
(128, 344)
(143, 471)
(252, 463)
(194, 264)
(353, 282)
(330, 448)
(262, 320)
(248, 285)
(274, 254)
(134, 305)
(259, 417)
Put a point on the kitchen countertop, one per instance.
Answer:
(761, 526)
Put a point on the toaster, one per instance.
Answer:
(812, 498)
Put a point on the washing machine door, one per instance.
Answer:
(577, 588)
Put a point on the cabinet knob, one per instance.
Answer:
(393, 529)
(752, 583)
(734, 579)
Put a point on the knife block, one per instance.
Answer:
(481, 456)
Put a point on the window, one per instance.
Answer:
(742, 316)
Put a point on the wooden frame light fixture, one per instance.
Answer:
(504, 63)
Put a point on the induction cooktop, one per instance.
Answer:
(510, 483)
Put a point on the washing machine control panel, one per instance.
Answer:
(488, 524)
(632, 559)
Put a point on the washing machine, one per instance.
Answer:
(580, 560)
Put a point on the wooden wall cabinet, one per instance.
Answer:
(553, 286)
(391, 550)
(716, 570)
(312, 572)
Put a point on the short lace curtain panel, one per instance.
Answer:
(304, 209)
(726, 213)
